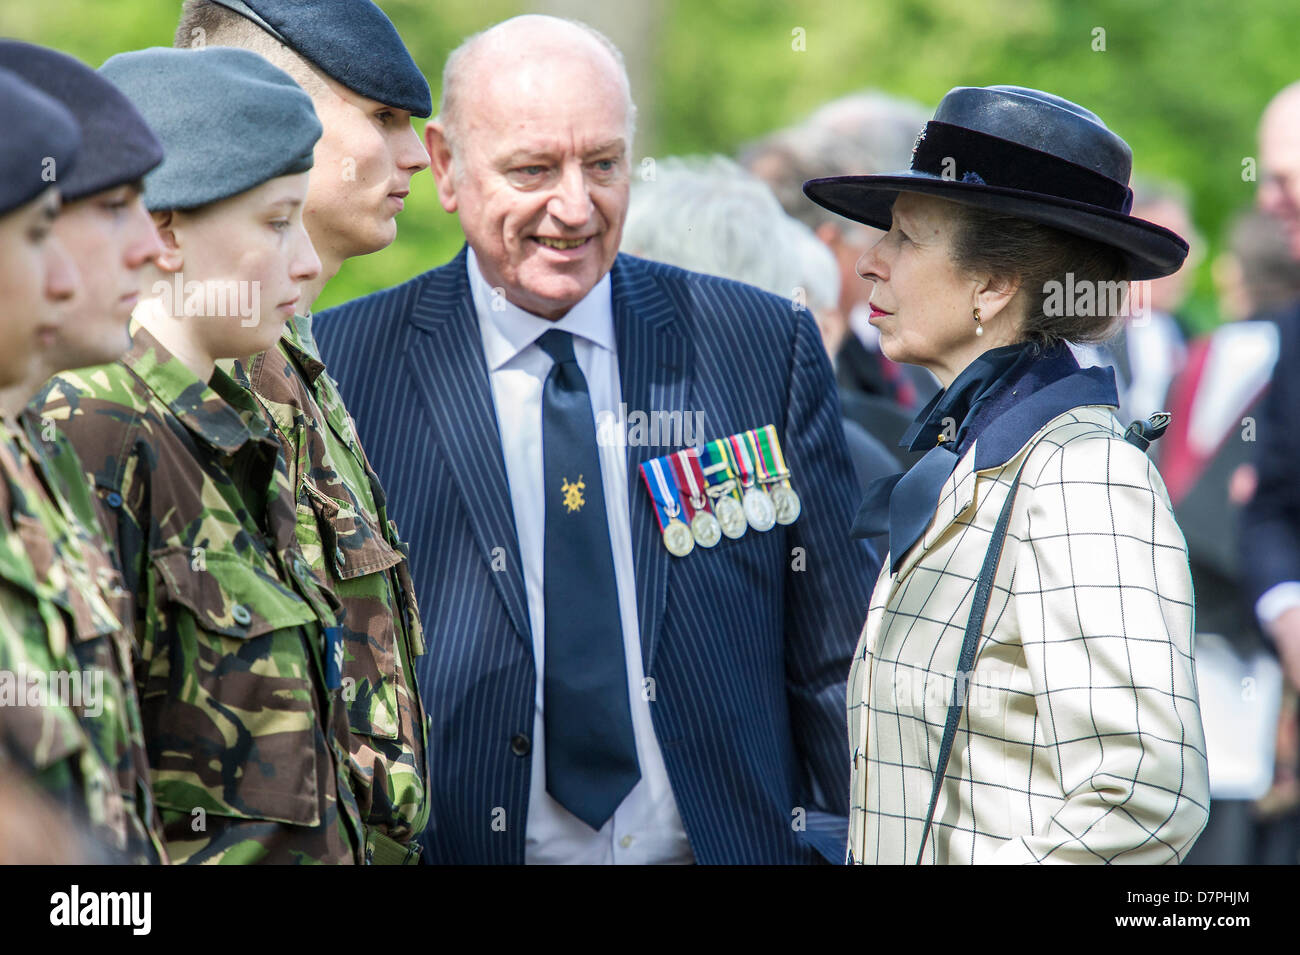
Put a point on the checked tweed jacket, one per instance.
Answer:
(1081, 739)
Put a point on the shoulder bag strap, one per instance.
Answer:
(970, 642)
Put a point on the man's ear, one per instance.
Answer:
(171, 259)
(440, 164)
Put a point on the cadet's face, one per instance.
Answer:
(37, 279)
(111, 238)
(364, 162)
(540, 178)
(255, 248)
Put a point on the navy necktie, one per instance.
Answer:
(591, 760)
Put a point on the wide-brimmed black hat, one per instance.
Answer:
(1024, 153)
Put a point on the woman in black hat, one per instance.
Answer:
(1024, 688)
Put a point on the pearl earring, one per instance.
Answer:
(979, 329)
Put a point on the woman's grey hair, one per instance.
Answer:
(450, 108)
(1039, 257)
(707, 214)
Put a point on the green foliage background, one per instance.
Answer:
(1183, 81)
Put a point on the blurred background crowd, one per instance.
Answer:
(741, 101)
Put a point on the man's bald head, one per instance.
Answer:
(1279, 160)
(532, 151)
(530, 43)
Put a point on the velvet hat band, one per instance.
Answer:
(968, 155)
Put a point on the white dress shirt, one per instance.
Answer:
(646, 827)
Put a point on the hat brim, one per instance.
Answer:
(1151, 251)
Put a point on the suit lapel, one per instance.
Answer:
(452, 378)
(655, 358)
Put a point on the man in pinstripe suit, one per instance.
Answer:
(732, 660)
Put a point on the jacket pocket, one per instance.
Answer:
(358, 558)
(229, 698)
(351, 546)
(82, 582)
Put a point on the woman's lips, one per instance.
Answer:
(877, 312)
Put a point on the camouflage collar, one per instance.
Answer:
(301, 346)
(219, 412)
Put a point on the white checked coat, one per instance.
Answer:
(1081, 740)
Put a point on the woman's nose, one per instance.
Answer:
(869, 267)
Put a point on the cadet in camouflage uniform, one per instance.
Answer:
(78, 740)
(105, 228)
(343, 525)
(239, 687)
(46, 737)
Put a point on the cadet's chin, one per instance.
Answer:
(252, 336)
(268, 330)
(373, 234)
(84, 347)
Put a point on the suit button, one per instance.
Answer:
(520, 744)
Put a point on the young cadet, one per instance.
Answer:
(42, 738)
(104, 227)
(366, 88)
(246, 740)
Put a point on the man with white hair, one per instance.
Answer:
(597, 696)
(1270, 533)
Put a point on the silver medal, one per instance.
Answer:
(759, 510)
(786, 503)
(731, 516)
(678, 539)
(706, 529)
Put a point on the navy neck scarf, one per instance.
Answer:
(1004, 396)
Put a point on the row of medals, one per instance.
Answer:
(762, 509)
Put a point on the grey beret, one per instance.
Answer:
(228, 121)
(352, 41)
(118, 147)
(40, 145)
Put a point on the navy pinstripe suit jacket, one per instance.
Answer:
(749, 644)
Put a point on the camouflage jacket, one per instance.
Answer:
(354, 549)
(246, 739)
(69, 718)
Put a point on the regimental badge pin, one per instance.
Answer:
(573, 499)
